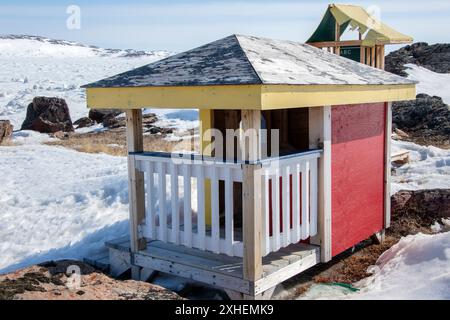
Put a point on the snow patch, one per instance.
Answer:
(431, 83)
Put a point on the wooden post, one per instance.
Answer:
(320, 136)
(387, 163)
(206, 123)
(135, 183)
(251, 197)
(363, 55)
(337, 49)
(372, 56)
(382, 57)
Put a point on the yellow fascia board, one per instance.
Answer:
(200, 97)
(295, 96)
(245, 97)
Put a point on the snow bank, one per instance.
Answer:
(418, 267)
(58, 203)
(431, 83)
(429, 168)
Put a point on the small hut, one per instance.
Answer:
(373, 35)
(247, 222)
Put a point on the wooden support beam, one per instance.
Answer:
(363, 55)
(387, 168)
(136, 191)
(337, 48)
(344, 43)
(251, 196)
(383, 57)
(372, 56)
(320, 136)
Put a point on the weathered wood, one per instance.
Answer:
(135, 178)
(337, 39)
(387, 166)
(251, 197)
(322, 118)
(344, 43)
(119, 262)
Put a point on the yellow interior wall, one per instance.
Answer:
(206, 122)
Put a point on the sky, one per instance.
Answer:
(179, 25)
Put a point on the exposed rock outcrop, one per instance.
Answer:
(6, 129)
(433, 57)
(426, 120)
(48, 115)
(60, 281)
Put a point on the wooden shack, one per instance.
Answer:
(247, 222)
(373, 35)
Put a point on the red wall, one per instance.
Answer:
(357, 155)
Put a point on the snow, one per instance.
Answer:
(33, 68)
(431, 83)
(58, 203)
(417, 267)
(429, 168)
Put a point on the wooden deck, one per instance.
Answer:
(215, 269)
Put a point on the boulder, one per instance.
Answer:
(48, 115)
(6, 129)
(111, 121)
(98, 115)
(84, 122)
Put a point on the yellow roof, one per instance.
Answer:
(358, 17)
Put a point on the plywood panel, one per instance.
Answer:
(357, 154)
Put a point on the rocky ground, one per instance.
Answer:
(426, 120)
(433, 57)
(56, 281)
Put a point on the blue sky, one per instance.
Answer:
(183, 24)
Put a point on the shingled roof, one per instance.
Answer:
(246, 60)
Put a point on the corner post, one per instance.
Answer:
(387, 163)
(251, 196)
(135, 183)
(320, 135)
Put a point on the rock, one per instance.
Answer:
(158, 130)
(98, 115)
(435, 58)
(111, 121)
(6, 129)
(48, 115)
(52, 281)
(84, 123)
(426, 120)
(401, 134)
(60, 135)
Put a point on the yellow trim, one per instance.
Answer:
(246, 97)
(291, 96)
(200, 97)
(206, 122)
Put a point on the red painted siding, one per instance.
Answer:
(357, 156)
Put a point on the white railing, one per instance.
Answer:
(290, 199)
(176, 190)
(176, 203)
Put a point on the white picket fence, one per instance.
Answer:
(290, 200)
(177, 189)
